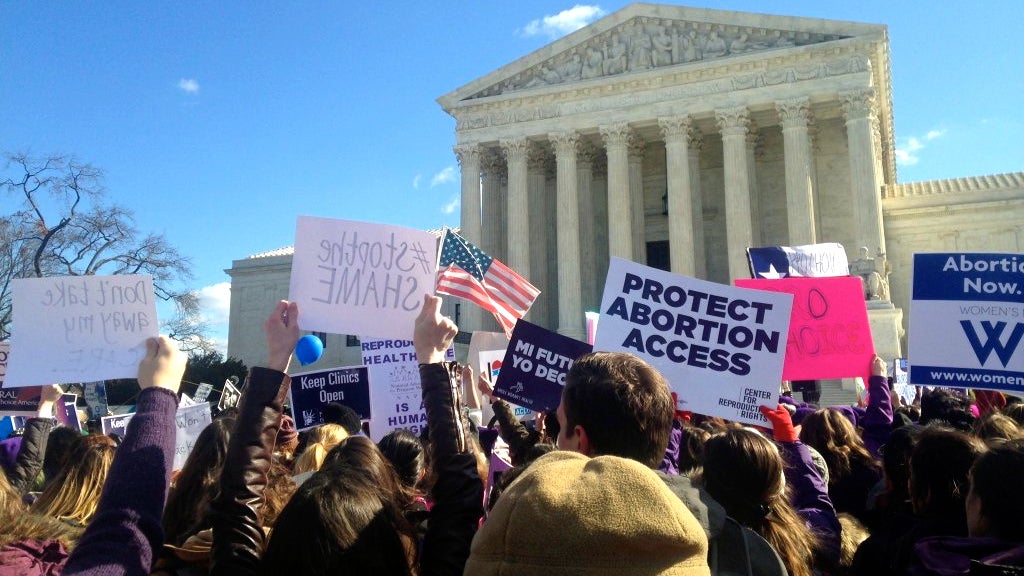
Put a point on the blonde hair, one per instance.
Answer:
(321, 440)
(75, 492)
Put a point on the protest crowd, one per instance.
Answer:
(616, 477)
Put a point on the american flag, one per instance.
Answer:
(467, 272)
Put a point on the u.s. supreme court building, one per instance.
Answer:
(678, 137)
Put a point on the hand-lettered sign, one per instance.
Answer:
(79, 328)
(361, 278)
(967, 321)
(535, 366)
(721, 348)
(829, 333)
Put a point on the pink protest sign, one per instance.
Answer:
(829, 334)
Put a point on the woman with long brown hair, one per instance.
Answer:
(746, 474)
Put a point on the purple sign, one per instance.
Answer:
(311, 391)
(115, 425)
(536, 363)
(65, 410)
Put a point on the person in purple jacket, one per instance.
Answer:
(126, 530)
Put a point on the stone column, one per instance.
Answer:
(635, 153)
(518, 220)
(865, 176)
(795, 116)
(620, 219)
(602, 245)
(495, 208)
(470, 221)
(680, 194)
(536, 178)
(734, 125)
(570, 305)
(588, 235)
(755, 146)
(495, 204)
(696, 141)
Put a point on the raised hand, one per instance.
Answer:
(163, 366)
(282, 332)
(432, 333)
(782, 423)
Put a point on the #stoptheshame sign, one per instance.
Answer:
(360, 278)
(720, 348)
(967, 321)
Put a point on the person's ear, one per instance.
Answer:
(583, 441)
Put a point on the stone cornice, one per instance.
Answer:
(694, 84)
(641, 21)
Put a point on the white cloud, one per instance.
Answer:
(215, 304)
(564, 22)
(188, 85)
(452, 205)
(907, 148)
(416, 181)
(443, 177)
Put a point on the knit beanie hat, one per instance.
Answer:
(568, 514)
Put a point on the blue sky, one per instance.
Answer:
(219, 122)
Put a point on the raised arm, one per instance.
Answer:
(33, 444)
(126, 531)
(876, 424)
(236, 512)
(458, 490)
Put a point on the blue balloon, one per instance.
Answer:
(308, 349)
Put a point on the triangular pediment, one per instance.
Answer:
(645, 37)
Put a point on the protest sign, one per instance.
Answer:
(394, 374)
(185, 400)
(901, 382)
(96, 398)
(79, 328)
(11, 424)
(812, 260)
(721, 348)
(229, 396)
(312, 391)
(967, 321)
(65, 410)
(16, 401)
(116, 425)
(491, 362)
(189, 423)
(202, 392)
(360, 278)
(829, 333)
(535, 365)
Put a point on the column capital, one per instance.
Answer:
(636, 146)
(467, 153)
(733, 121)
(492, 162)
(858, 104)
(794, 112)
(615, 134)
(586, 153)
(696, 137)
(537, 157)
(565, 143)
(515, 149)
(676, 127)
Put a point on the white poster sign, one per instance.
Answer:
(189, 422)
(361, 278)
(396, 400)
(79, 328)
(720, 347)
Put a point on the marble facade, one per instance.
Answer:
(678, 137)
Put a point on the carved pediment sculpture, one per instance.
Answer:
(644, 43)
